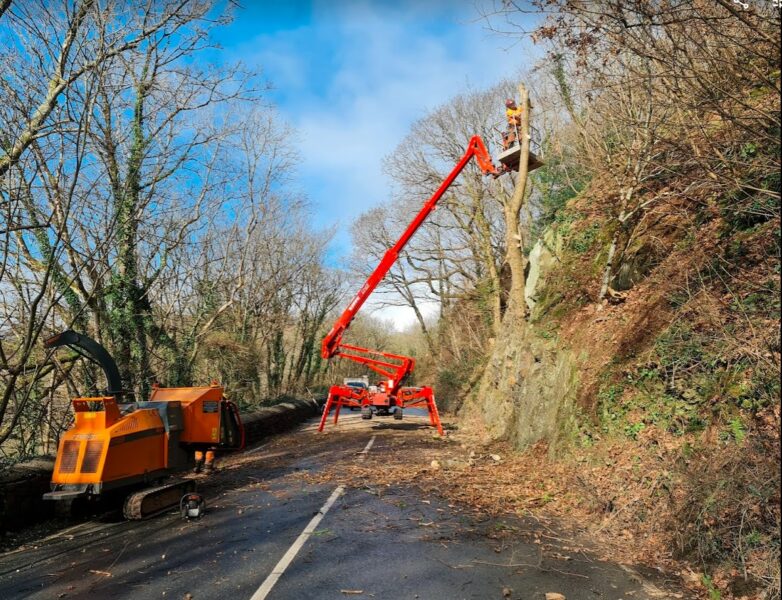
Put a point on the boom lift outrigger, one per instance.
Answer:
(390, 397)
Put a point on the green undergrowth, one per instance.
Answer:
(694, 400)
(725, 474)
(686, 386)
(581, 243)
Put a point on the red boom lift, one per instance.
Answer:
(390, 397)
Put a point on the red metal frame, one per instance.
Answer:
(393, 367)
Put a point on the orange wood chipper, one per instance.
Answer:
(130, 447)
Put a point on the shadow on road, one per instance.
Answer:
(394, 426)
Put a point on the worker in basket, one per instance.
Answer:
(513, 114)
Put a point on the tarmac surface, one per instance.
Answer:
(366, 542)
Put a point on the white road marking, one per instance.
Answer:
(253, 450)
(262, 592)
(363, 454)
(266, 587)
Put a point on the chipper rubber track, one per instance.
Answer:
(153, 501)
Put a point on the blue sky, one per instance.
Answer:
(351, 76)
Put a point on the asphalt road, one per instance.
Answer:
(372, 542)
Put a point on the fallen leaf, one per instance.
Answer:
(554, 596)
(352, 592)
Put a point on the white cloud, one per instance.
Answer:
(402, 317)
(392, 64)
(353, 81)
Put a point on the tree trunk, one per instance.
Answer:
(514, 252)
(493, 404)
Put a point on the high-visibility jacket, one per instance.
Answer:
(513, 115)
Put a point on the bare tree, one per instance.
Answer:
(144, 201)
(64, 43)
(461, 249)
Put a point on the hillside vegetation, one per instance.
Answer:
(640, 376)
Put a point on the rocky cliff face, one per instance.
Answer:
(675, 344)
(532, 385)
(537, 400)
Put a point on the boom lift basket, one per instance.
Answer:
(511, 156)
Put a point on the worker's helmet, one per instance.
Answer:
(509, 102)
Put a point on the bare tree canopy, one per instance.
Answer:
(145, 200)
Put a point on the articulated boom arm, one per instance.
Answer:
(391, 366)
(332, 343)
